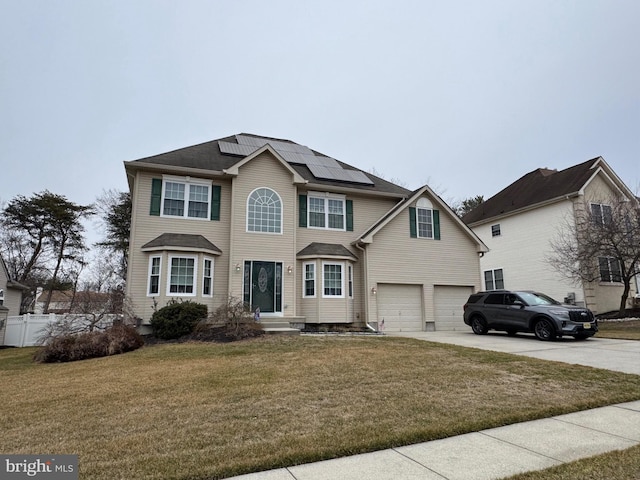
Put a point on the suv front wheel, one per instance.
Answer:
(479, 326)
(544, 330)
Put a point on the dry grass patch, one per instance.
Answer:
(618, 465)
(204, 411)
(626, 330)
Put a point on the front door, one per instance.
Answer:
(263, 286)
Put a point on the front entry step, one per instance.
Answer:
(278, 326)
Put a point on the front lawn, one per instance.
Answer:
(204, 411)
(627, 329)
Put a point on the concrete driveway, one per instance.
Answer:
(610, 354)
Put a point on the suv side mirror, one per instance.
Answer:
(519, 303)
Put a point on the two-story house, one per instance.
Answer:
(297, 235)
(519, 224)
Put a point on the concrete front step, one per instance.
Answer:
(278, 327)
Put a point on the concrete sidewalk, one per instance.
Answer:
(490, 454)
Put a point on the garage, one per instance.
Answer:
(448, 307)
(400, 307)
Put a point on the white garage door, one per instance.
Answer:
(448, 303)
(400, 306)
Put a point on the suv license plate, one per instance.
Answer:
(586, 325)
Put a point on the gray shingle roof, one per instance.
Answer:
(208, 156)
(317, 249)
(534, 188)
(182, 240)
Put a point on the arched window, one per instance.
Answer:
(264, 211)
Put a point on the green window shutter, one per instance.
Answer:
(215, 202)
(413, 229)
(436, 224)
(302, 211)
(349, 215)
(156, 196)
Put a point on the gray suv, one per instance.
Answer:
(525, 311)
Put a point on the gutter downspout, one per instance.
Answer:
(366, 286)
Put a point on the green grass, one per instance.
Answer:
(203, 411)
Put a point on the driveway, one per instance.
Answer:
(607, 353)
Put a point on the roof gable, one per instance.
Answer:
(368, 236)
(538, 187)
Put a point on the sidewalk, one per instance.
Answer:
(490, 454)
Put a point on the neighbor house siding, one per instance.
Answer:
(146, 227)
(523, 248)
(452, 260)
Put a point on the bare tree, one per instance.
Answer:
(601, 244)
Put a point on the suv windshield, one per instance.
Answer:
(533, 298)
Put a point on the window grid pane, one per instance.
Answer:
(316, 212)
(333, 280)
(207, 278)
(425, 223)
(264, 212)
(198, 201)
(174, 199)
(309, 280)
(182, 272)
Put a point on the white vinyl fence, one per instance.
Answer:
(26, 330)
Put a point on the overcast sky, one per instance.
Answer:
(465, 96)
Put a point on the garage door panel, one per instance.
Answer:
(448, 307)
(400, 307)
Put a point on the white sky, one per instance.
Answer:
(466, 96)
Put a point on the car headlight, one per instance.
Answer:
(560, 313)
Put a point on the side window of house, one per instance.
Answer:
(185, 197)
(493, 279)
(309, 283)
(207, 278)
(325, 210)
(1, 296)
(154, 276)
(609, 269)
(601, 214)
(264, 211)
(495, 230)
(424, 220)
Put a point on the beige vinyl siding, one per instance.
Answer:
(12, 296)
(265, 171)
(395, 257)
(366, 211)
(146, 227)
(601, 296)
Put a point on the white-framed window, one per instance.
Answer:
(153, 287)
(326, 211)
(350, 277)
(186, 197)
(332, 280)
(493, 279)
(182, 276)
(424, 218)
(309, 283)
(495, 230)
(264, 211)
(601, 214)
(610, 271)
(1, 296)
(207, 277)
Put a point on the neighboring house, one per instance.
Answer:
(298, 235)
(10, 297)
(519, 223)
(68, 301)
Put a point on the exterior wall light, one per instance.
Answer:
(373, 291)
(289, 269)
(237, 267)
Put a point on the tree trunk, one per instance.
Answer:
(623, 298)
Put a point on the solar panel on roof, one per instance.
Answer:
(326, 168)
